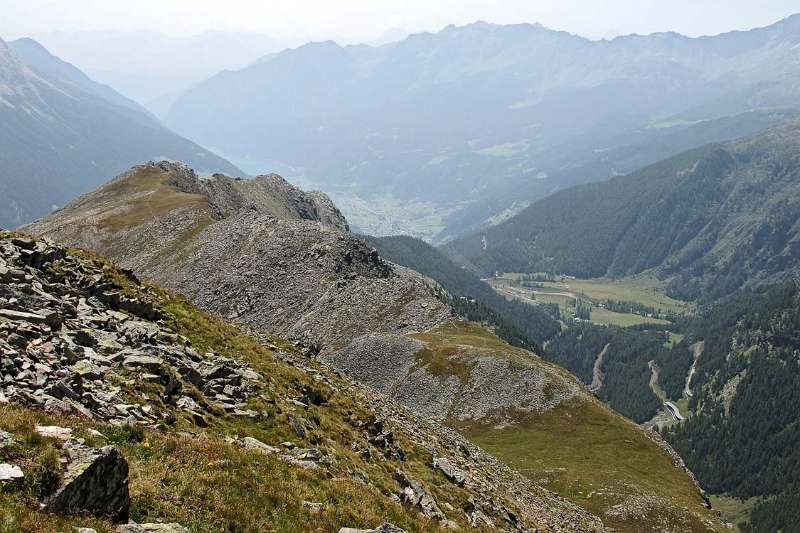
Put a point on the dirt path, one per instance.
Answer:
(597, 371)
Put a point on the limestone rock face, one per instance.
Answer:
(95, 483)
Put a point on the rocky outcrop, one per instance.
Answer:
(268, 194)
(260, 252)
(95, 483)
(451, 472)
(69, 336)
(415, 494)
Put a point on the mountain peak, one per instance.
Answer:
(31, 44)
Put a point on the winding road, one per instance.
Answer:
(673, 409)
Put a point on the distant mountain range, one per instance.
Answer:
(155, 65)
(423, 130)
(711, 220)
(63, 134)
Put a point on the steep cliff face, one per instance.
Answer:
(257, 251)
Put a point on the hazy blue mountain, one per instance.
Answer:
(36, 56)
(428, 126)
(156, 64)
(579, 162)
(63, 134)
(711, 220)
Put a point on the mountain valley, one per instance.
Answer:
(477, 120)
(495, 277)
(381, 324)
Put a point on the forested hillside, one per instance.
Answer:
(581, 161)
(742, 439)
(710, 220)
(518, 323)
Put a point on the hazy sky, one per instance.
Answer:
(362, 20)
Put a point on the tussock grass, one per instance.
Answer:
(597, 459)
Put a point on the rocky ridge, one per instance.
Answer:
(86, 342)
(260, 252)
(70, 345)
(465, 383)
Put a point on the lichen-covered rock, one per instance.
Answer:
(415, 494)
(450, 471)
(95, 483)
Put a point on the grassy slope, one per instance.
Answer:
(200, 480)
(159, 198)
(643, 290)
(734, 510)
(585, 452)
(595, 458)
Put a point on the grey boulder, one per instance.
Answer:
(95, 484)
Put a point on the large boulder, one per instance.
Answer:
(414, 494)
(95, 483)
